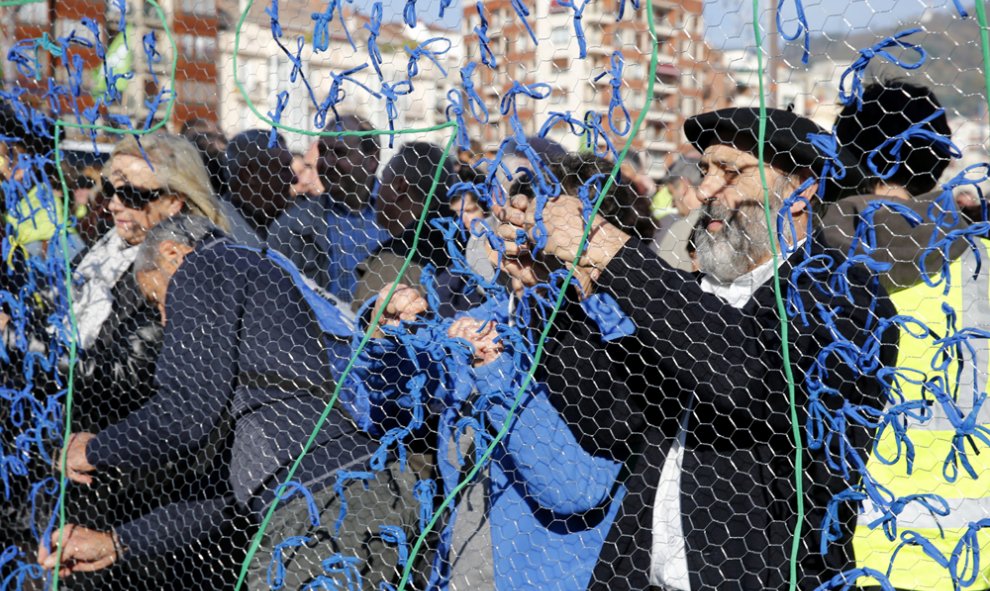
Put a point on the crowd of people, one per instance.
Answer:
(221, 290)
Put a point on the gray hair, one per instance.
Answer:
(184, 229)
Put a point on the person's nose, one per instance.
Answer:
(711, 188)
(115, 205)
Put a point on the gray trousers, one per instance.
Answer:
(387, 500)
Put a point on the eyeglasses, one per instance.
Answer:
(130, 195)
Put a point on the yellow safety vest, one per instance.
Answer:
(968, 498)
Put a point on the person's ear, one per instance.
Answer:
(172, 253)
(799, 206)
(400, 184)
(371, 164)
(175, 205)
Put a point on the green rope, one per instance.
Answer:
(981, 18)
(63, 234)
(784, 338)
(350, 365)
(538, 356)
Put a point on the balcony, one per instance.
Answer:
(660, 113)
(664, 31)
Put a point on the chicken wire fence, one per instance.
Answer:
(426, 320)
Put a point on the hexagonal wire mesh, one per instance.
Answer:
(560, 295)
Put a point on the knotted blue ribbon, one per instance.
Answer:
(854, 92)
(615, 102)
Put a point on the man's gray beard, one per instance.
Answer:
(739, 247)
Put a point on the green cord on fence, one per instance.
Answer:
(350, 365)
(504, 430)
(777, 288)
(981, 18)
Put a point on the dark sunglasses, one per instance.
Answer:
(130, 195)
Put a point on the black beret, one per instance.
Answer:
(787, 146)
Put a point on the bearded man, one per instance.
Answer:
(695, 400)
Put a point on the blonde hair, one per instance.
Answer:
(179, 168)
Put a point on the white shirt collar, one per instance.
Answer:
(739, 291)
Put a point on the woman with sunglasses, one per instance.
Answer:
(120, 336)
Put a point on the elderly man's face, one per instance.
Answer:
(153, 283)
(732, 237)
(154, 287)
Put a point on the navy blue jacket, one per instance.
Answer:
(242, 351)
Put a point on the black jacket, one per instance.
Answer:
(738, 500)
(114, 377)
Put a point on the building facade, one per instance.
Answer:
(553, 58)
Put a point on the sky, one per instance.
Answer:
(728, 22)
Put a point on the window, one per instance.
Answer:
(197, 92)
(197, 49)
(561, 36)
(203, 7)
(627, 37)
(688, 106)
(35, 13)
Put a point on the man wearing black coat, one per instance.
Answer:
(696, 400)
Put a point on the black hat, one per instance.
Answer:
(545, 148)
(787, 146)
(889, 109)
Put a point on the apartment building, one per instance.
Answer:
(679, 84)
(264, 71)
(192, 23)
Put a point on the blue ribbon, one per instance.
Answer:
(455, 111)
(276, 568)
(523, 12)
(484, 43)
(391, 93)
(615, 103)
(392, 534)
(321, 26)
(337, 94)
(423, 50)
(287, 489)
(409, 13)
(343, 478)
(578, 29)
(280, 103)
(474, 100)
(893, 145)
(374, 27)
(854, 93)
(802, 28)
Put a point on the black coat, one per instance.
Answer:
(738, 502)
(114, 377)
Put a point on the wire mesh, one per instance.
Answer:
(503, 295)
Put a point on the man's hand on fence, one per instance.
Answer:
(564, 223)
(77, 467)
(406, 304)
(83, 550)
(483, 338)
